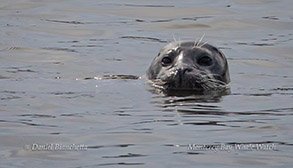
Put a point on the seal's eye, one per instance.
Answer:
(166, 61)
(205, 61)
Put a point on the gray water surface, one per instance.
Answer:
(72, 72)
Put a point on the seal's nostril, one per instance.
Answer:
(184, 70)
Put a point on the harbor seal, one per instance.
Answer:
(189, 65)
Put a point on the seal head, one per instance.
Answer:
(189, 66)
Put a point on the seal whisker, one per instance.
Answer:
(203, 44)
(208, 86)
(204, 86)
(210, 76)
(215, 75)
(198, 41)
(216, 81)
(175, 40)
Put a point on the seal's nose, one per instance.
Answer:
(181, 74)
(183, 70)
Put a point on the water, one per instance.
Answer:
(69, 75)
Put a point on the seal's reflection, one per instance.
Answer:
(188, 102)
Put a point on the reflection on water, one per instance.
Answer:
(73, 73)
(190, 96)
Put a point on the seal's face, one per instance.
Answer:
(190, 66)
